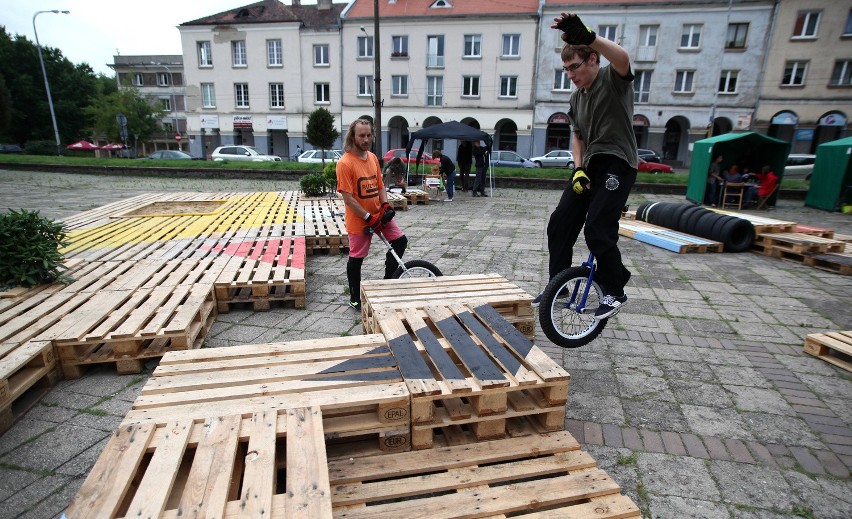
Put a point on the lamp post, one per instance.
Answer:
(174, 100)
(377, 80)
(44, 73)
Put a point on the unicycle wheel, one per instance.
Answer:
(417, 269)
(561, 320)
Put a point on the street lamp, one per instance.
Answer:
(377, 80)
(44, 73)
(174, 99)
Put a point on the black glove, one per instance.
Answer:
(373, 223)
(576, 33)
(387, 213)
(580, 181)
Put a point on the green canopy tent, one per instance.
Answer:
(751, 149)
(832, 175)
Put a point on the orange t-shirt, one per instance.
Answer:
(362, 178)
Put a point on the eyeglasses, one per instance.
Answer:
(575, 66)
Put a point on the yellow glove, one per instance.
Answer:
(580, 181)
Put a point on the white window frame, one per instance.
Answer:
(809, 28)
(163, 79)
(435, 51)
(847, 28)
(365, 86)
(205, 54)
(692, 33)
(208, 95)
(321, 58)
(241, 95)
(470, 86)
(472, 46)
(138, 79)
(648, 35)
(841, 74)
(399, 46)
(508, 87)
(166, 104)
(609, 32)
(684, 82)
(728, 82)
(561, 83)
(399, 86)
(322, 93)
(794, 66)
(511, 47)
(365, 47)
(732, 37)
(276, 95)
(274, 53)
(238, 53)
(434, 90)
(642, 86)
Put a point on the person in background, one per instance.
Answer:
(768, 182)
(395, 174)
(298, 152)
(448, 169)
(479, 175)
(464, 158)
(714, 179)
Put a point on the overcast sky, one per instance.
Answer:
(96, 30)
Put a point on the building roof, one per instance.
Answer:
(421, 8)
(273, 11)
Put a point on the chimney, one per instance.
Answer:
(324, 5)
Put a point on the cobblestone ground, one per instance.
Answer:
(697, 398)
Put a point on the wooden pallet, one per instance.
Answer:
(664, 238)
(468, 365)
(23, 368)
(797, 243)
(263, 271)
(397, 201)
(546, 474)
(838, 262)
(508, 299)
(417, 196)
(814, 231)
(325, 230)
(834, 347)
(761, 224)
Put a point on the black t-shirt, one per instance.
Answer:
(447, 165)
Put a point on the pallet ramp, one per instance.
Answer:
(664, 238)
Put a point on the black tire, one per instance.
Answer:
(704, 225)
(738, 235)
(692, 222)
(570, 165)
(685, 216)
(560, 321)
(538, 163)
(718, 226)
(417, 269)
(640, 211)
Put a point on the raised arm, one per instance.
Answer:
(574, 32)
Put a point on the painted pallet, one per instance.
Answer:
(542, 476)
(834, 347)
(838, 262)
(761, 224)
(262, 271)
(667, 239)
(355, 381)
(796, 242)
(465, 364)
(417, 196)
(508, 299)
(24, 368)
(398, 201)
(814, 231)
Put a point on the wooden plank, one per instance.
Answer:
(259, 475)
(834, 348)
(308, 487)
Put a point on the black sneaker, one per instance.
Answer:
(610, 305)
(356, 305)
(537, 300)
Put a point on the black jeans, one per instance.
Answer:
(599, 208)
(479, 180)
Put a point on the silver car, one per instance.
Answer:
(555, 159)
(317, 156)
(510, 159)
(238, 152)
(799, 165)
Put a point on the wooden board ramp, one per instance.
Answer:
(466, 365)
(262, 271)
(416, 196)
(508, 299)
(24, 368)
(833, 347)
(664, 238)
(355, 381)
(761, 224)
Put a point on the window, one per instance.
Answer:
(508, 86)
(470, 86)
(365, 85)
(511, 46)
(648, 35)
(728, 82)
(365, 47)
(434, 90)
(168, 128)
(276, 95)
(794, 73)
(737, 34)
(241, 95)
(847, 29)
(607, 31)
(806, 24)
(238, 53)
(163, 79)
(138, 80)
(320, 55)
(399, 86)
(322, 93)
(435, 52)
(472, 46)
(208, 95)
(683, 81)
(205, 54)
(399, 46)
(690, 38)
(274, 56)
(561, 81)
(842, 74)
(642, 86)
(166, 104)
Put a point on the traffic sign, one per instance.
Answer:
(177, 137)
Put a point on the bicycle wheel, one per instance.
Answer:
(417, 269)
(560, 320)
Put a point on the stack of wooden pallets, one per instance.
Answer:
(666, 238)
(832, 347)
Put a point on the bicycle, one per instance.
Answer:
(568, 305)
(407, 269)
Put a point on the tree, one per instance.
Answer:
(143, 118)
(321, 132)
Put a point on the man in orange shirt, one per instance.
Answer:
(359, 181)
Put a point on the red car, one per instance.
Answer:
(653, 167)
(425, 159)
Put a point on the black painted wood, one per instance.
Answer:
(411, 364)
(479, 364)
(510, 362)
(504, 329)
(440, 359)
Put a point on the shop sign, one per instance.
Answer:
(276, 122)
(242, 121)
(210, 121)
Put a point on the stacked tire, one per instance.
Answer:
(736, 234)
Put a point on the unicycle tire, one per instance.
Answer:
(559, 319)
(417, 269)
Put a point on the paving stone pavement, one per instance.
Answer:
(697, 398)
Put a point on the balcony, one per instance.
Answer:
(647, 53)
(434, 61)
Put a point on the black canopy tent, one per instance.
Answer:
(451, 130)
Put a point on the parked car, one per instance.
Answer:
(170, 155)
(799, 166)
(510, 159)
(317, 156)
(10, 148)
(555, 159)
(650, 155)
(242, 153)
(425, 159)
(653, 167)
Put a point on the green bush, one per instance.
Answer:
(29, 248)
(330, 174)
(41, 148)
(313, 184)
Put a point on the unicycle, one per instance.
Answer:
(568, 306)
(412, 268)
